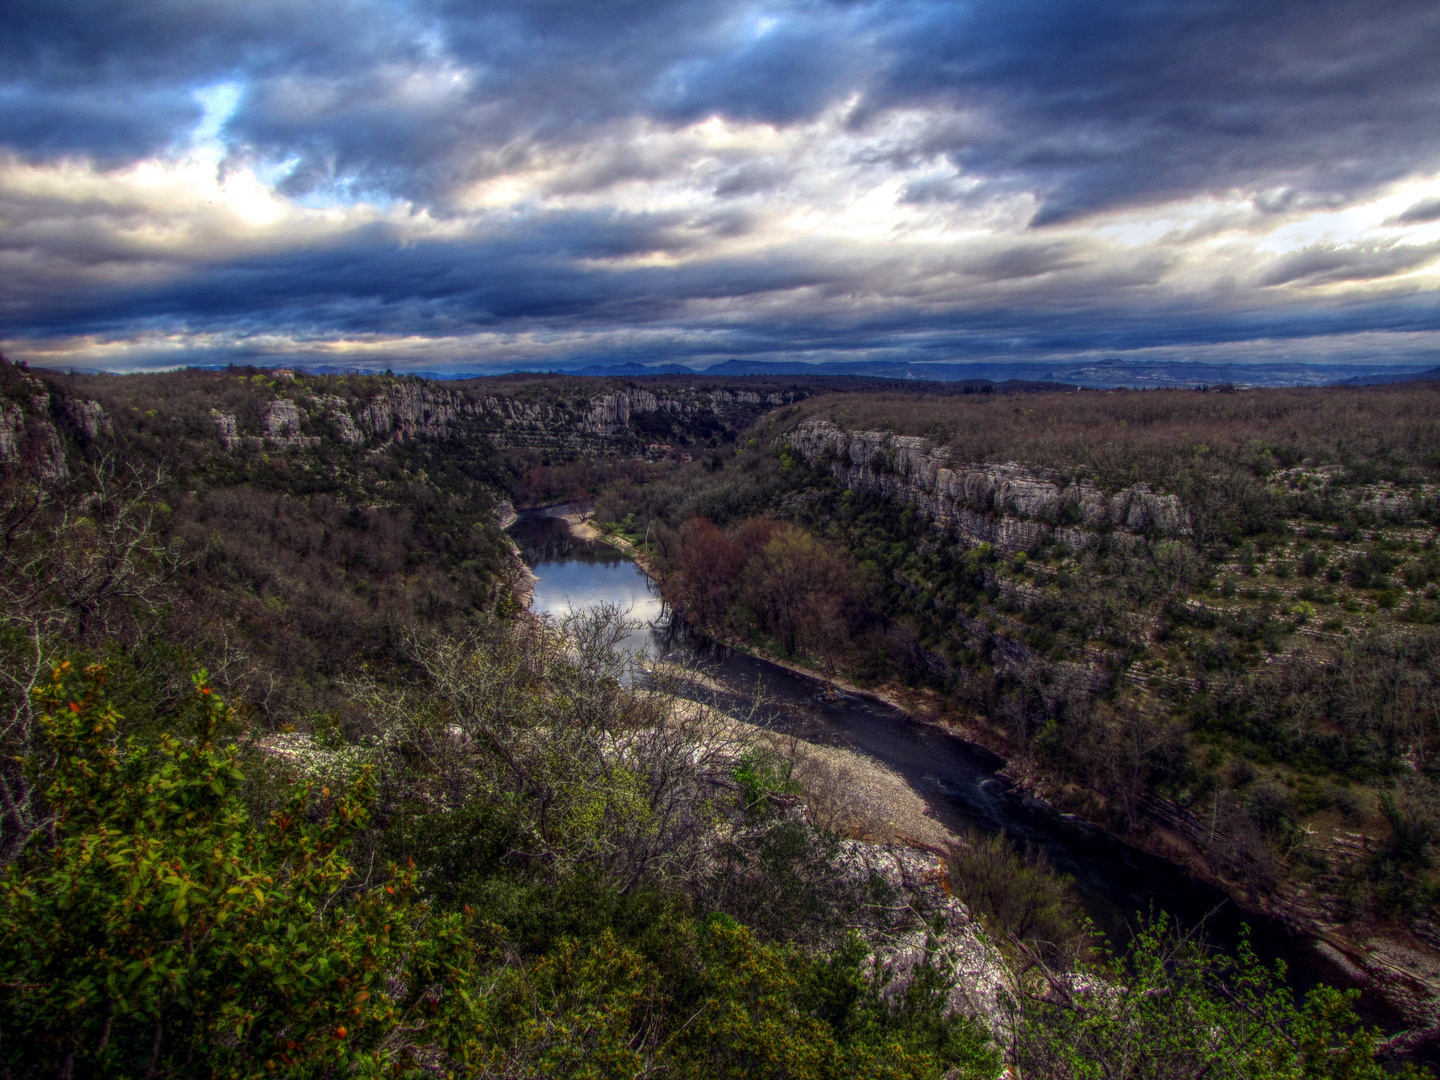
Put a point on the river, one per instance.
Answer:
(1116, 883)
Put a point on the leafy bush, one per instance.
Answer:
(152, 930)
(1019, 898)
(1172, 1009)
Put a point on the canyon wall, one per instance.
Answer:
(1007, 505)
(637, 422)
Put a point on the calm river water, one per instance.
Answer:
(1116, 883)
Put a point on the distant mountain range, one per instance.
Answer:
(1100, 373)
(632, 370)
(1096, 374)
(1380, 380)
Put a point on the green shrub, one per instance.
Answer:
(1019, 898)
(1173, 1008)
(152, 930)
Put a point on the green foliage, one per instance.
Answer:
(1175, 1010)
(598, 1008)
(154, 931)
(580, 1011)
(766, 780)
(153, 928)
(1019, 899)
(754, 1022)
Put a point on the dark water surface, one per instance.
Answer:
(1116, 883)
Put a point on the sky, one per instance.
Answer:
(441, 185)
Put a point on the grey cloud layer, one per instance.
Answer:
(1103, 103)
(1079, 106)
(1094, 102)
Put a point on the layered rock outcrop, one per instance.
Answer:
(622, 421)
(89, 417)
(12, 428)
(1007, 505)
(282, 425)
(28, 434)
(227, 428)
(338, 414)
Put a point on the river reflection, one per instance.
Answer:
(1116, 883)
(576, 574)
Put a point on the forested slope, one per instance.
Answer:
(304, 521)
(1205, 620)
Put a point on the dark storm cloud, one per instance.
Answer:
(533, 279)
(1025, 260)
(556, 74)
(113, 81)
(118, 126)
(371, 284)
(329, 85)
(1424, 211)
(1324, 264)
(1102, 104)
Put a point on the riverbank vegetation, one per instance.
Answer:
(289, 788)
(1250, 663)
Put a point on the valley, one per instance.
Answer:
(1138, 655)
(1176, 649)
(963, 787)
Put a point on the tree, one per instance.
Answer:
(705, 568)
(803, 587)
(80, 560)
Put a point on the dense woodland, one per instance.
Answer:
(1273, 673)
(292, 787)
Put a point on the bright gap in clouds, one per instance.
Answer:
(219, 102)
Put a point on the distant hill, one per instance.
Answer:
(1383, 380)
(1099, 374)
(1019, 376)
(632, 370)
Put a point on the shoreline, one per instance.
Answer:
(582, 529)
(1404, 977)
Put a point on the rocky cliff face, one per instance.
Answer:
(949, 937)
(611, 414)
(634, 421)
(1007, 505)
(30, 428)
(39, 418)
(33, 437)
